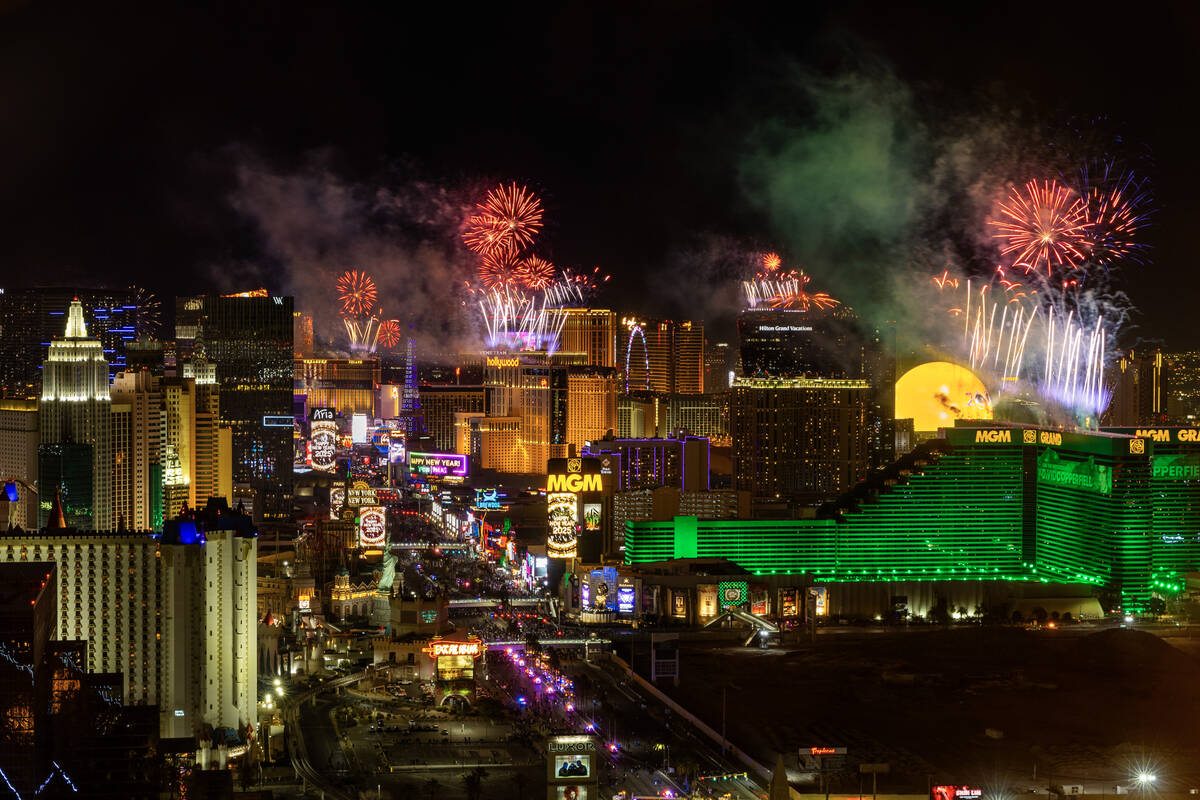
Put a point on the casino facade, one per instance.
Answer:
(1116, 511)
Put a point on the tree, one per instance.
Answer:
(473, 782)
(520, 782)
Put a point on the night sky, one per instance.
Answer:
(123, 124)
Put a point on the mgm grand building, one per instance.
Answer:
(989, 518)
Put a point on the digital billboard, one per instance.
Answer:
(626, 599)
(591, 516)
(372, 526)
(437, 464)
(323, 445)
(955, 793)
(358, 428)
(732, 593)
(562, 539)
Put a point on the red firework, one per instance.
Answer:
(1042, 227)
(1111, 223)
(390, 332)
(499, 268)
(356, 291)
(535, 272)
(509, 219)
(771, 262)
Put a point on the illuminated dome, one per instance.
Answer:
(935, 394)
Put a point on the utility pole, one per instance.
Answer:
(724, 690)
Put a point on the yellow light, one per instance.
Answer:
(937, 393)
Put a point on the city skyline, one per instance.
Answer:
(227, 219)
(685, 400)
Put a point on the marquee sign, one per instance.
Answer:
(563, 537)
(323, 445)
(732, 593)
(439, 647)
(437, 463)
(372, 526)
(361, 494)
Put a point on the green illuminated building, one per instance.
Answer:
(1109, 509)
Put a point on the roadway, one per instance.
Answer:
(305, 711)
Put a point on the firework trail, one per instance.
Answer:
(363, 333)
(1042, 227)
(785, 290)
(534, 273)
(356, 292)
(390, 333)
(508, 220)
(519, 320)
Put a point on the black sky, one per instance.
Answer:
(119, 119)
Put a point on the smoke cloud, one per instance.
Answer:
(312, 224)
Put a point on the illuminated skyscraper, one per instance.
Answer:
(75, 408)
(1140, 390)
(593, 332)
(346, 385)
(440, 404)
(591, 403)
(18, 458)
(31, 318)
(799, 439)
(532, 388)
(249, 338)
(662, 356)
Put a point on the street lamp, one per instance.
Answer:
(1145, 779)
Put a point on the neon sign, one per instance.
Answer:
(372, 526)
(563, 513)
(437, 463)
(440, 647)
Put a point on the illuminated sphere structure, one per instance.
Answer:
(937, 393)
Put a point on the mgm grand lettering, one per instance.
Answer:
(1164, 434)
(1086, 475)
(993, 436)
(573, 483)
(1176, 468)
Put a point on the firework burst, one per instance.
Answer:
(1115, 208)
(534, 272)
(356, 292)
(148, 315)
(771, 262)
(390, 333)
(785, 290)
(499, 268)
(1042, 227)
(508, 220)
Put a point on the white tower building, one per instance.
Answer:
(76, 407)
